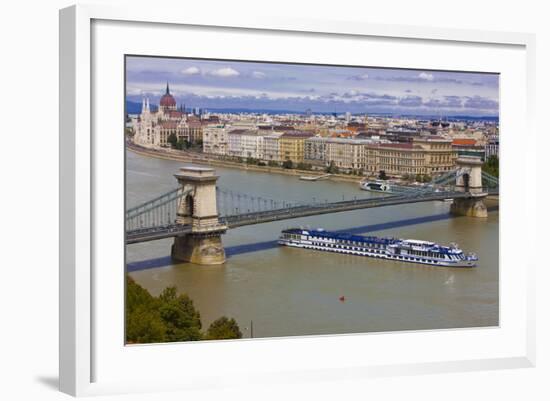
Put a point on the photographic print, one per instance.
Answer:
(272, 199)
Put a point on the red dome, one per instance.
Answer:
(167, 100)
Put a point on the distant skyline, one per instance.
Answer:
(295, 87)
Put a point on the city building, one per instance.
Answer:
(492, 146)
(468, 147)
(272, 147)
(246, 143)
(439, 154)
(153, 128)
(352, 154)
(215, 139)
(424, 155)
(292, 145)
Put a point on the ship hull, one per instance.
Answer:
(376, 254)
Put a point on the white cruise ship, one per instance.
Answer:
(401, 250)
(375, 186)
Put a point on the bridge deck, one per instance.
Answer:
(244, 219)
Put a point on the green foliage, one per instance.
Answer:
(382, 175)
(169, 317)
(251, 160)
(418, 178)
(172, 140)
(182, 144)
(332, 168)
(491, 166)
(272, 163)
(182, 320)
(223, 328)
(143, 321)
(425, 178)
(304, 166)
(288, 164)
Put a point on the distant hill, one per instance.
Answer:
(135, 107)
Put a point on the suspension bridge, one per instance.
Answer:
(198, 211)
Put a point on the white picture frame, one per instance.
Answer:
(80, 222)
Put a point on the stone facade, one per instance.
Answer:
(272, 147)
(198, 209)
(422, 156)
(215, 139)
(292, 145)
(153, 128)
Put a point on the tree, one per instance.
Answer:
(172, 140)
(491, 165)
(288, 164)
(304, 166)
(223, 329)
(182, 320)
(272, 163)
(332, 168)
(382, 175)
(169, 317)
(143, 321)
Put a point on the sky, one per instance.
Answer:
(224, 84)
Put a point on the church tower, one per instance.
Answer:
(167, 101)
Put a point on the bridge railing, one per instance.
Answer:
(157, 217)
(160, 211)
(231, 203)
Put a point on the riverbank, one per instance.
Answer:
(201, 158)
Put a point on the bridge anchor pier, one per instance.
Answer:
(198, 209)
(469, 180)
(201, 249)
(471, 207)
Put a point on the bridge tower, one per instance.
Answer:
(469, 180)
(199, 210)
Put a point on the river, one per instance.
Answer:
(288, 292)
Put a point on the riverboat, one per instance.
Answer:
(375, 186)
(387, 248)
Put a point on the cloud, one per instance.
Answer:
(453, 102)
(351, 93)
(225, 72)
(191, 71)
(425, 76)
(478, 102)
(258, 74)
(361, 77)
(410, 101)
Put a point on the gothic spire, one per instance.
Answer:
(167, 88)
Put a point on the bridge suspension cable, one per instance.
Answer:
(156, 218)
(232, 203)
(160, 211)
